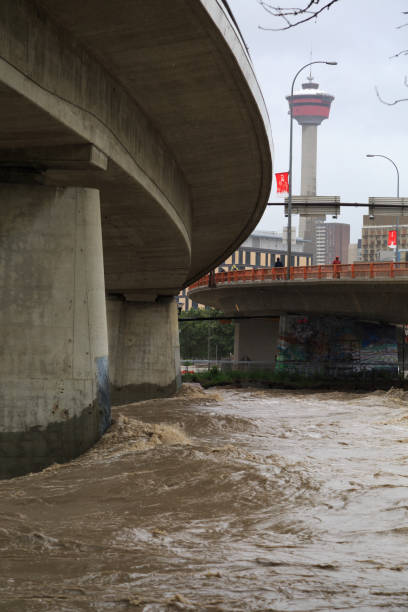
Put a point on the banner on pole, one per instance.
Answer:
(392, 239)
(282, 182)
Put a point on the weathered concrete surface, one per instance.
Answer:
(144, 349)
(53, 357)
(256, 339)
(375, 300)
(155, 106)
(166, 91)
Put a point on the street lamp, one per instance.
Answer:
(397, 219)
(290, 162)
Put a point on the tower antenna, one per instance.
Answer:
(310, 78)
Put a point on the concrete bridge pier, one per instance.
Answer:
(256, 339)
(144, 349)
(54, 391)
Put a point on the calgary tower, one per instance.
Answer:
(309, 107)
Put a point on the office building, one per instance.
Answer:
(375, 233)
(332, 240)
(259, 250)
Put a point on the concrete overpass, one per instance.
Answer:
(364, 292)
(135, 155)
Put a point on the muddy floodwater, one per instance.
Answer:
(226, 500)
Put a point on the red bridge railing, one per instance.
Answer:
(357, 271)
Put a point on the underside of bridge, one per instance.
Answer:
(331, 327)
(366, 299)
(134, 157)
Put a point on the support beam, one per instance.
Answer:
(54, 391)
(144, 349)
(65, 157)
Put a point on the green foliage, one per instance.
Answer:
(196, 337)
(286, 380)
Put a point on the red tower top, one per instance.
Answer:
(310, 106)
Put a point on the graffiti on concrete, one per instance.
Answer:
(335, 345)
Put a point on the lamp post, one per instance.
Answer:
(397, 218)
(289, 249)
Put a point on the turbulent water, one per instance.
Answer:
(219, 501)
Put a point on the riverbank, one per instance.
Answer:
(367, 381)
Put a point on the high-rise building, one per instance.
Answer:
(354, 254)
(338, 241)
(332, 240)
(310, 107)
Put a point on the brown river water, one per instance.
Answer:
(219, 501)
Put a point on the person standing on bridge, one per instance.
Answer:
(336, 270)
(279, 264)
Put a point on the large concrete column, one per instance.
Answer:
(256, 339)
(144, 349)
(54, 391)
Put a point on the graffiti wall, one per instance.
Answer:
(335, 346)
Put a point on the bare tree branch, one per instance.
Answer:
(300, 15)
(403, 52)
(404, 24)
(395, 101)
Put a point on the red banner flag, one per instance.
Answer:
(282, 182)
(392, 238)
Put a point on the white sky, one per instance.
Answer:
(361, 36)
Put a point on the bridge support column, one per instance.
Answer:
(144, 349)
(54, 392)
(256, 339)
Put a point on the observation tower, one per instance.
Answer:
(309, 107)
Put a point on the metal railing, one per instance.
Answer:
(356, 271)
(191, 366)
(319, 368)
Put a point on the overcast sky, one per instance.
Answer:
(360, 35)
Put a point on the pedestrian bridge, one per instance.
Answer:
(376, 291)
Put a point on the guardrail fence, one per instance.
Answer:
(357, 271)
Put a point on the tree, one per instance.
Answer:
(293, 15)
(206, 338)
(403, 52)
